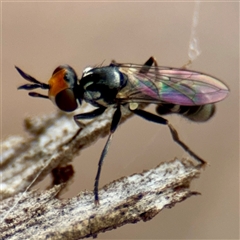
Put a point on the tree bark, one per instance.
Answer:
(55, 140)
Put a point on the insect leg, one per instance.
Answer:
(148, 64)
(149, 116)
(157, 119)
(116, 118)
(184, 146)
(88, 115)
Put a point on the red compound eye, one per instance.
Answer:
(66, 100)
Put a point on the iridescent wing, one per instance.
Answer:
(170, 85)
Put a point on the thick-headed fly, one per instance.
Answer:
(189, 93)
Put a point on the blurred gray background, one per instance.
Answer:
(38, 37)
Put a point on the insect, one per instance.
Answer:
(188, 93)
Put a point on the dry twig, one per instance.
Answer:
(41, 215)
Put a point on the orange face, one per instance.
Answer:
(60, 90)
(57, 83)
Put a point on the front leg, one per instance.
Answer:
(89, 115)
(115, 121)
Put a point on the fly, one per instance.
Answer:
(188, 93)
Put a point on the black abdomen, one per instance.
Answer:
(200, 113)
